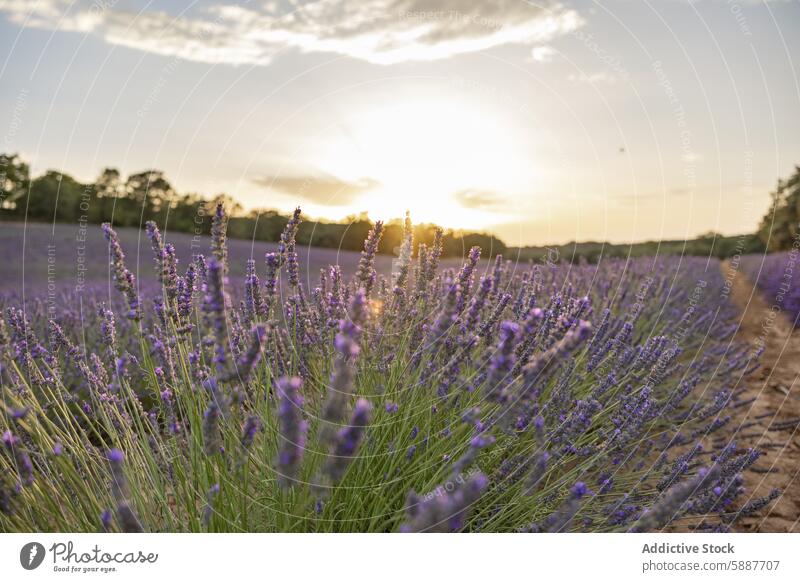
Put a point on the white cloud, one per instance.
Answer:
(320, 189)
(377, 31)
(543, 54)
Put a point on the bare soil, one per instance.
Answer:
(776, 389)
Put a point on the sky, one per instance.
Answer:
(539, 121)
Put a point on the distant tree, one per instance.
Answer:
(144, 196)
(189, 213)
(355, 233)
(109, 184)
(779, 227)
(54, 197)
(458, 244)
(14, 181)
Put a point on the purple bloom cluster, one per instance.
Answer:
(366, 268)
(445, 508)
(293, 429)
(128, 521)
(778, 276)
(123, 278)
(347, 441)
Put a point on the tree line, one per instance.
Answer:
(148, 195)
(58, 197)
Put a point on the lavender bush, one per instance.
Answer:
(500, 397)
(778, 276)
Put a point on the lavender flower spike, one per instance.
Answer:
(366, 266)
(347, 441)
(286, 248)
(158, 246)
(446, 508)
(124, 280)
(249, 359)
(292, 429)
(219, 246)
(672, 503)
(215, 306)
(347, 348)
(251, 426)
(212, 438)
(128, 521)
(273, 261)
(406, 250)
(22, 461)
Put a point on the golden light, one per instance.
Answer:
(423, 153)
(376, 306)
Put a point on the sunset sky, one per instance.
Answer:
(542, 122)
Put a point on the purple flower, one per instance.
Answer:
(251, 426)
(186, 290)
(347, 441)
(21, 461)
(464, 280)
(252, 293)
(292, 429)
(286, 248)
(215, 306)
(219, 245)
(108, 329)
(249, 359)
(212, 437)
(446, 508)
(124, 280)
(347, 349)
(404, 260)
(672, 504)
(502, 363)
(105, 520)
(128, 521)
(273, 261)
(208, 512)
(366, 266)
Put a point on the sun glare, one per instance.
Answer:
(423, 154)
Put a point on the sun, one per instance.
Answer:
(423, 153)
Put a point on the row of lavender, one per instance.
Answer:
(778, 277)
(494, 397)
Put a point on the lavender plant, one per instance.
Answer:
(499, 397)
(778, 276)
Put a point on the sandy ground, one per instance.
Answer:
(776, 389)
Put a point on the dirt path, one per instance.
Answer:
(776, 389)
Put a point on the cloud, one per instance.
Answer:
(377, 31)
(478, 199)
(543, 54)
(324, 190)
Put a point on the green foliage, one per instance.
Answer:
(14, 178)
(707, 245)
(780, 226)
(148, 195)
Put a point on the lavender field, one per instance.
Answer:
(69, 255)
(235, 394)
(778, 277)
